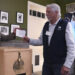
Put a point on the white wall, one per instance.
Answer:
(34, 28)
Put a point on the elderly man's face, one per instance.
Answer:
(50, 14)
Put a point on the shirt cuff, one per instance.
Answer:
(68, 64)
(30, 41)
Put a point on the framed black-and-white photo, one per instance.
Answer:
(20, 17)
(3, 17)
(4, 30)
(13, 26)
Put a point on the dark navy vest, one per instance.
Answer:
(55, 53)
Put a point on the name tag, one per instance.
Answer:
(48, 33)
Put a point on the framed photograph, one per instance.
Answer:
(20, 17)
(13, 26)
(3, 17)
(4, 30)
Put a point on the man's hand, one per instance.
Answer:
(26, 39)
(65, 70)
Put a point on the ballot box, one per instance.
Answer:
(15, 61)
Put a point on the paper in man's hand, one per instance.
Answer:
(20, 33)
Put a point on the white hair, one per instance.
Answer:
(55, 7)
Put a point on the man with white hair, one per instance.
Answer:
(58, 43)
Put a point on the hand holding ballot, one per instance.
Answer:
(26, 39)
(21, 33)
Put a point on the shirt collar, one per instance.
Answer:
(55, 22)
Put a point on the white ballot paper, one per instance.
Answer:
(20, 33)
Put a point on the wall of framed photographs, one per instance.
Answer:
(4, 20)
(12, 13)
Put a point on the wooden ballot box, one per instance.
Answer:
(11, 56)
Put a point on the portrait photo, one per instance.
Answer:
(20, 17)
(3, 17)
